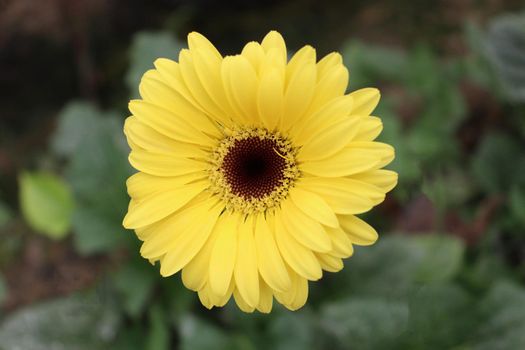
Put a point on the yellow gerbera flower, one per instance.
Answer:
(251, 169)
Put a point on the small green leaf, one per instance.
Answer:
(47, 203)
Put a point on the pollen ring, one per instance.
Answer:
(252, 170)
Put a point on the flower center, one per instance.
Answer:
(253, 170)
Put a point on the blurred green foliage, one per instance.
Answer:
(426, 290)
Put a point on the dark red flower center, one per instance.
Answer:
(253, 168)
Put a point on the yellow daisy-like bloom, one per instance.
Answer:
(251, 169)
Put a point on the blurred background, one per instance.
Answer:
(448, 270)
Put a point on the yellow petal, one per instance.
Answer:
(241, 303)
(298, 94)
(269, 260)
(274, 40)
(204, 297)
(195, 273)
(149, 139)
(227, 66)
(208, 69)
(301, 259)
(270, 98)
(221, 300)
(381, 150)
(304, 229)
(224, 253)
(343, 163)
(242, 82)
(301, 294)
(332, 113)
(168, 123)
(164, 165)
(384, 179)
(273, 59)
(313, 206)
(209, 299)
(159, 93)
(306, 55)
(266, 298)
(344, 195)
(329, 140)
(330, 86)
(360, 232)
(329, 263)
(369, 129)
(296, 297)
(254, 53)
(329, 61)
(366, 101)
(165, 231)
(192, 81)
(186, 245)
(160, 204)
(246, 273)
(341, 243)
(199, 41)
(169, 72)
(141, 184)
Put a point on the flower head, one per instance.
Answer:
(251, 169)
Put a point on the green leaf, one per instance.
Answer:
(78, 121)
(498, 164)
(73, 323)
(46, 203)
(503, 325)
(449, 189)
(405, 162)
(505, 42)
(97, 171)
(369, 63)
(442, 258)
(397, 264)
(372, 323)
(145, 49)
(197, 334)
(441, 316)
(134, 282)
(159, 336)
(294, 331)
(476, 64)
